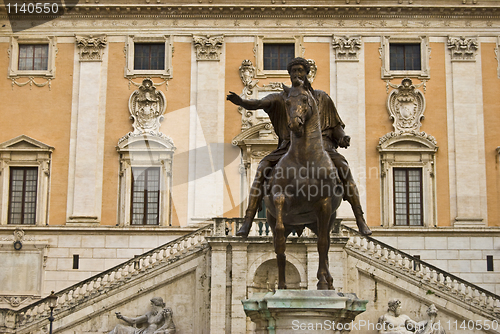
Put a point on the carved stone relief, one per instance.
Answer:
(314, 69)
(463, 48)
(346, 48)
(406, 105)
(394, 322)
(497, 56)
(207, 47)
(247, 76)
(91, 48)
(146, 107)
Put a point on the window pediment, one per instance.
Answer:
(25, 143)
(417, 142)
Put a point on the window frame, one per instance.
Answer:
(24, 151)
(385, 52)
(408, 151)
(407, 193)
(158, 193)
(15, 41)
(297, 41)
(131, 72)
(145, 152)
(25, 169)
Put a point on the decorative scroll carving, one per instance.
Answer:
(463, 48)
(91, 48)
(31, 81)
(406, 106)
(314, 69)
(247, 75)
(146, 107)
(497, 56)
(208, 48)
(346, 48)
(130, 83)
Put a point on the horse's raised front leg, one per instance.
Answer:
(279, 239)
(324, 212)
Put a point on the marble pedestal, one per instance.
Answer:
(303, 311)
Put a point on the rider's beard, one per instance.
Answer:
(297, 81)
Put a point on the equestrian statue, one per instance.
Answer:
(303, 181)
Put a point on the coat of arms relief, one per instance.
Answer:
(406, 106)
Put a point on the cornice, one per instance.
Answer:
(205, 9)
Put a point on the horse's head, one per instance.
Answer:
(300, 106)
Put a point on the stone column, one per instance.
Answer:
(218, 286)
(206, 158)
(347, 87)
(312, 264)
(468, 174)
(87, 130)
(238, 286)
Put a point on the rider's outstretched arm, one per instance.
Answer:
(248, 104)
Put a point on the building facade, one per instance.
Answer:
(116, 135)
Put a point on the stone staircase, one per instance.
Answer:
(471, 300)
(102, 294)
(35, 316)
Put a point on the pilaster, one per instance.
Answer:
(468, 131)
(87, 130)
(238, 286)
(347, 86)
(218, 286)
(206, 187)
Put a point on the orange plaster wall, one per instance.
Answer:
(44, 115)
(117, 125)
(435, 124)
(320, 53)
(377, 125)
(491, 108)
(235, 54)
(175, 125)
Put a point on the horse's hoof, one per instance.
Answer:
(363, 229)
(281, 286)
(322, 286)
(244, 230)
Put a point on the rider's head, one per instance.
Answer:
(299, 68)
(299, 61)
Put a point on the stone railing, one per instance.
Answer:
(471, 294)
(260, 228)
(100, 283)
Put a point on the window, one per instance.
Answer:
(408, 209)
(24, 181)
(33, 57)
(277, 56)
(22, 193)
(405, 57)
(273, 54)
(149, 56)
(145, 196)
(489, 263)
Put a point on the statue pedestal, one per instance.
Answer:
(303, 311)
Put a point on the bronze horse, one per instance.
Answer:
(304, 189)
